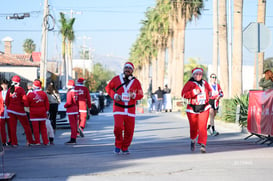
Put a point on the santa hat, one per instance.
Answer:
(36, 84)
(129, 64)
(80, 80)
(16, 79)
(195, 70)
(70, 84)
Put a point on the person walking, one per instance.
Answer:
(159, 104)
(15, 101)
(125, 90)
(38, 104)
(217, 94)
(72, 108)
(101, 101)
(54, 101)
(4, 119)
(197, 91)
(84, 104)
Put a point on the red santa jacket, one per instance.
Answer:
(38, 105)
(72, 103)
(197, 102)
(83, 98)
(127, 106)
(15, 102)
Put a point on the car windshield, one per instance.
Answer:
(63, 96)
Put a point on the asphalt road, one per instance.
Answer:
(160, 151)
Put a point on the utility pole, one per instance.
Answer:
(43, 67)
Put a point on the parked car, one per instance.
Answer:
(62, 118)
(95, 99)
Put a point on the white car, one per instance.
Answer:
(95, 99)
(62, 118)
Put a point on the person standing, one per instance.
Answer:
(15, 101)
(72, 108)
(4, 119)
(159, 104)
(38, 104)
(267, 81)
(197, 91)
(167, 99)
(214, 100)
(84, 104)
(125, 90)
(101, 101)
(54, 101)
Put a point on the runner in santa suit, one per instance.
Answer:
(4, 119)
(197, 91)
(38, 104)
(125, 90)
(15, 101)
(72, 108)
(214, 100)
(84, 104)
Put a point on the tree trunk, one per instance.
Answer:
(179, 73)
(215, 38)
(261, 19)
(170, 61)
(63, 66)
(223, 55)
(154, 74)
(161, 66)
(237, 56)
(174, 58)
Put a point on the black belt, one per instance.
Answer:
(124, 106)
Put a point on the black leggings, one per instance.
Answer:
(53, 109)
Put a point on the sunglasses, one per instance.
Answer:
(214, 77)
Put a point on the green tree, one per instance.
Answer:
(67, 38)
(29, 46)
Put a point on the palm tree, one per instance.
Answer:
(215, 38)
(224, 76)
(260, 19)
(237, 57)
(70, 39)
(184, 12)
(67, 35)
(29, 46)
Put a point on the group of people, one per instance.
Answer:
(161, 100)
(36, 110)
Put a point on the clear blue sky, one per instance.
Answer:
(111, 26)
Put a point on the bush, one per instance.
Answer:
(230, 106)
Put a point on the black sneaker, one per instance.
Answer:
(192, 145)
(203, 148)
(80, 130)
(71, 142)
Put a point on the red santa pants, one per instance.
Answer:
(3, 129)
(124, 131)
(82, 119)
(40, 126)
(13, 128)
(73, 118)
(198, 126)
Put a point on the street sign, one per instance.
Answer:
(256, 37)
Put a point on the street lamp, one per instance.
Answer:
(18, 16)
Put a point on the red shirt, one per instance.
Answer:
(15, 102)
(84, 98)
(38, 105)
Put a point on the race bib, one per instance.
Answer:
(201, 98)
(125, 97)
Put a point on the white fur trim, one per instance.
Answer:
(128, 65)
(197, 70)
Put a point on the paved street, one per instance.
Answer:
(160, 151)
